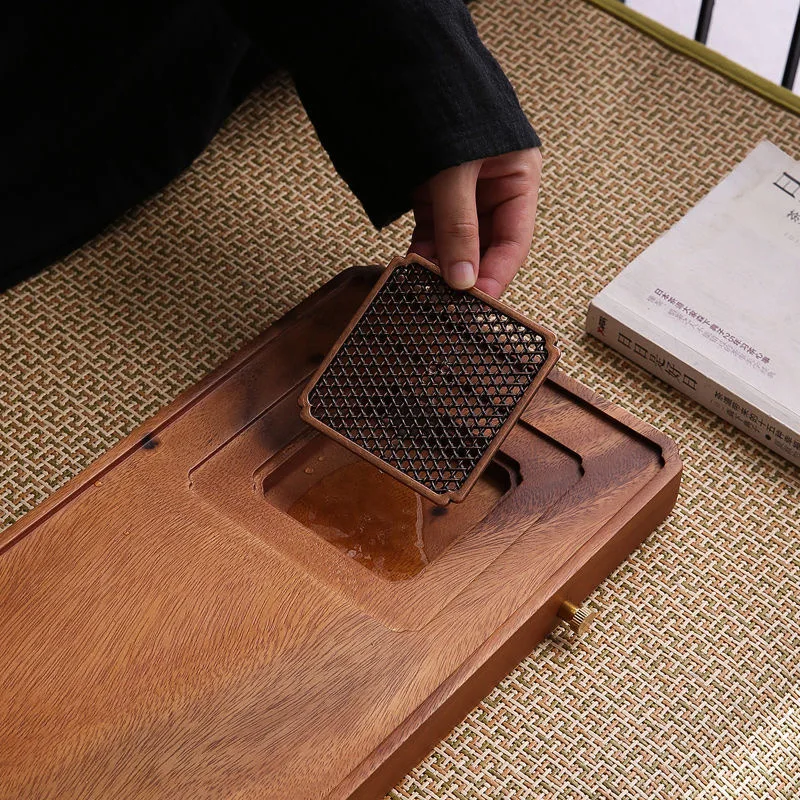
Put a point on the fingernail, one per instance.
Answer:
(461, 275)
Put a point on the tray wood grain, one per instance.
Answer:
(169, 631)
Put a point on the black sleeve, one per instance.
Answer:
(397, 89)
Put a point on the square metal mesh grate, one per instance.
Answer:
(428, 380)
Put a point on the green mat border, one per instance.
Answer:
(705, 55)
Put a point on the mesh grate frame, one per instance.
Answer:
(427, 381)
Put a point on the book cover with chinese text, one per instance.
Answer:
(713, 306)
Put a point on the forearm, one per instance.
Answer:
(397, 90)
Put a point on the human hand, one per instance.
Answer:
(477, 219)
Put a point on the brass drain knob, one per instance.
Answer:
(579, 619)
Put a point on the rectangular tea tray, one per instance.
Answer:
(171, 627)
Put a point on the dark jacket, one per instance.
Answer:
(104, 104)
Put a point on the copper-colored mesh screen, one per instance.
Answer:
(427, 377)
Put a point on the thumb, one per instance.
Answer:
(455, 223)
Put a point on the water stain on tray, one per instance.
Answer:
(368, 515)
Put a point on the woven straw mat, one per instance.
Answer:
(688, 684)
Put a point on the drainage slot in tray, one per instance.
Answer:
(368, 515)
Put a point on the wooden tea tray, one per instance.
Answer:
(169, 630)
